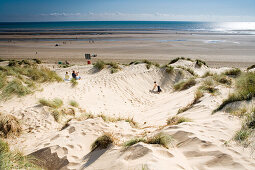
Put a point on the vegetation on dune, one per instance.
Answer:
(246, 134)
(208, 85)
(147, 62)
(74, 103)
(235, 72)
(22, 77)
(191, 71)
(175, 120)
(179, 58)
(240, 112)
(198, 95)
(169, 69)
(161, 138)
(222, 79)
(74, 82)
(55, 103)
(244, 90)
(251, 67)
(14, 160)
(99, 65)
(199, 63)
(183, 85)
(207, 74)
(9, 126)
(102, 142)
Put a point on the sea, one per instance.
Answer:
(247, 28)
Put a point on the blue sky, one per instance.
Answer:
(149, 10)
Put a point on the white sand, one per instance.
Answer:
(200, 144)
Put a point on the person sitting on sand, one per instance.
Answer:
(156, 86)
(67, 78)
(75, 75)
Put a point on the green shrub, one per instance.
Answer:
(55, 103)
(233, 72)
(102, 142)
(183, 85)
(37, 61)
(222, 79)
(99, 65)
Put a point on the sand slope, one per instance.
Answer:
(200, 144)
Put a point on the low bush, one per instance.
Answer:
(199, 63)
(251, 67)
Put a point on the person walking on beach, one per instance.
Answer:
(156, 86)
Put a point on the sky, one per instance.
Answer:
(127, 10)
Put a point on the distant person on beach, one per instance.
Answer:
(67, 77)
(156, 86)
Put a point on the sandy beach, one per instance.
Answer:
(203, 141)
(217, 49)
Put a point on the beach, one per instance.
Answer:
(217, 49)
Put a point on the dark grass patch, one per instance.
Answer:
(183, 85)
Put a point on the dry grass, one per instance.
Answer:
(235, 72)
(177, 120)
(74, 82)
(9, 126)
(99, 65)
(198, 95)
(161, 138)
(102, 142)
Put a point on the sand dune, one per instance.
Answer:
(202, 143)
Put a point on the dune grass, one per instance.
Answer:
(208, 85)
(179, 58)
(198, 95)
(74, 82)
(207, 74)
(161, 138)
(55, 103)
(183, 85)
(199, 63)
(10, 160)
(73, 103)
(244, 90)
(9, 126)
(102, 142)
(222, 79)
(99, 65)
(245, 135)
(235, 72)
(133, 142)
(23, 77)
(175, 120)
(169, 69)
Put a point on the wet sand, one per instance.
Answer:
(124, 46)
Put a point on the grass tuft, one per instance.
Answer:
(9, 126)
(55, 103)
(183, 85)
(177, 120)
(133, 142)
(74, 82)
(102, 142)
(74, 103)
(99, 65)
(235, 72)
(161, 139)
